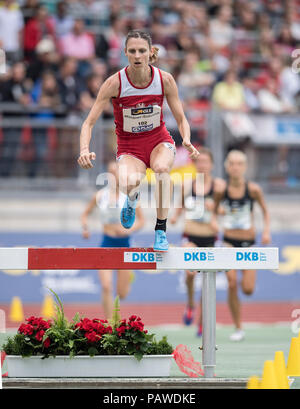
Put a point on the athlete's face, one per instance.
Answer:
(236, 166)
(138, 53)
(203, 164)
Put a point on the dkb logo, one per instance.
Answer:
(199, 256)
(143, 257)
(250, 256)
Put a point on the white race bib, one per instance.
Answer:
(238, 218)
(141, 119)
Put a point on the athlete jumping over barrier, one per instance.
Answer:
(137, 93)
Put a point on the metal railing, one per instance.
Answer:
(38, 153)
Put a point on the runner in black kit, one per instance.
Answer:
(238, 197)
(198, 206)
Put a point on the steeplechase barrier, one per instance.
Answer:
(207, 261)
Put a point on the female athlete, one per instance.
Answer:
(143, 141)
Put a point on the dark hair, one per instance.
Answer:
(206, 151)
(145, 36)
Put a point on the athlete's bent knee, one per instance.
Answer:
(248, 290)
(123, 294)
(160, 168)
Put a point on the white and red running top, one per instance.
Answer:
(138, 111)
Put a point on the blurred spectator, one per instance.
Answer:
(286, 41)
(251, 86)
(220, 29)
(116, 42)
(99, 67)
(46, 59)
(275, 10)
(265, 44)
(89, 95)
(229, 94)
(45, 93)
(270, 100)
(194, 83)
(70, 85)
(29, 9)
(17, 88)
(11, 30)
(289, 84)
(102, 46)
(63, 21)
(38, 27)
(89, 9)
(292, 20)
(78, 43)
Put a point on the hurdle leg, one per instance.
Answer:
(209, 323)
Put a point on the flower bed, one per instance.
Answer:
(84, 337)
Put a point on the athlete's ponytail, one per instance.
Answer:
(154, 56)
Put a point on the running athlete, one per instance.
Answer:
(110, 200)
(238, 196)
(143, 141)
(198, 231)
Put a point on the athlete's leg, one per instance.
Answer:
(233, 299)
(248, 281)
(188, 315)
(123, 283)
(105, 277)
(161, 162)
(131, 172)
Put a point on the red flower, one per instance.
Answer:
(47, 342)
(92, 336)
(26, 329)
(39, 335)
(121, 330)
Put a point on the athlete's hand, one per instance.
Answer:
(85, 159)
(85, 234)
(265, 238)
(214, 225)
(189, 147)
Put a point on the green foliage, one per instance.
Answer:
(116, 317)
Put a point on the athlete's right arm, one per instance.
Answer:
(108, 90)
(85, 214)
(219, 190)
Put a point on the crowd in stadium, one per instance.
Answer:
(235, 54)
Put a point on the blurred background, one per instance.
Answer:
(236, 68)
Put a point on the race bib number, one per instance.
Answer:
(142, 119)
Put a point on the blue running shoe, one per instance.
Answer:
(128, 212)
(161, 242)
(188, 316)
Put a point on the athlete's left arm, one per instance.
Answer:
(171, 93)
(257, 194)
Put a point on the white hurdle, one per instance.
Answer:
(208, 261)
